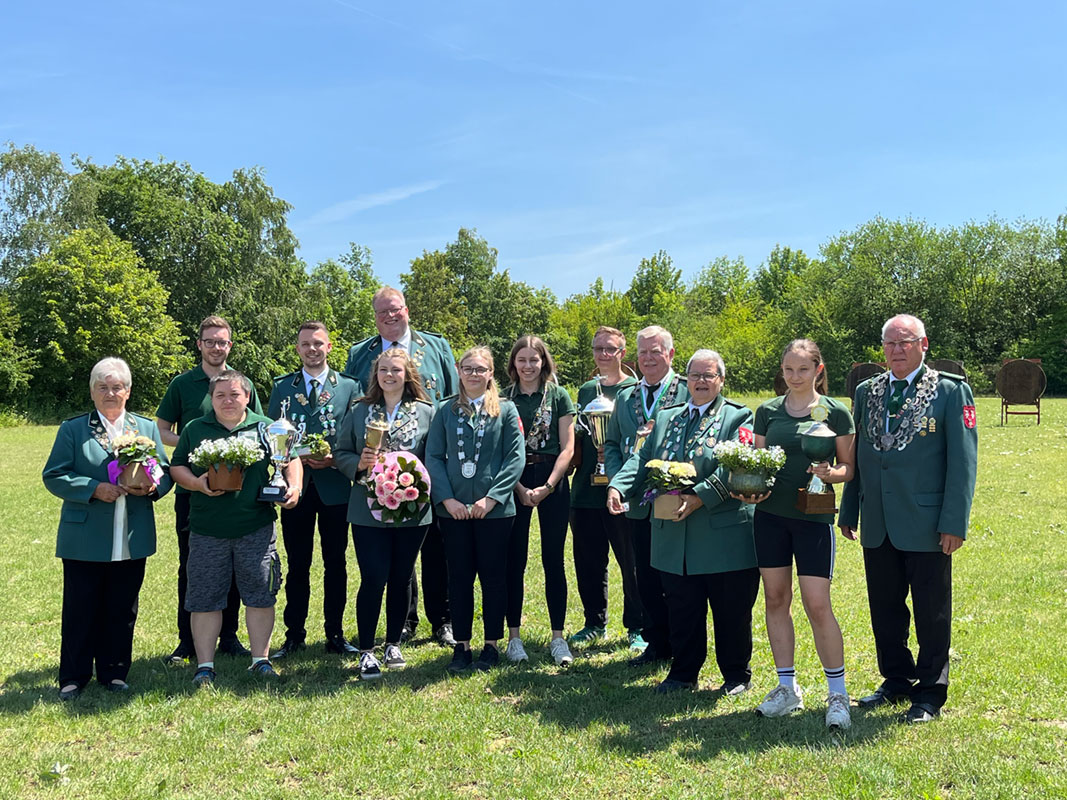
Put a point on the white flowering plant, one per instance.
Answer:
(235, 452)
(738, 457)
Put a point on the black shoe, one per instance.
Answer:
(919, 713)
(668, 685)
(120, 686)
(488, 658)
(289, 646)
(407, 633)
(183, 652)
(231, 646)
(339, 644)
(66, 695)
(444, 637)
(735, 688)
(462, 659)
(650, 656)
(881, 696)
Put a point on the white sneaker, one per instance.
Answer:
(560, 652)
(515, 651)
(780, 700)
(838, 714)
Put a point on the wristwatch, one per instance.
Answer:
(551, 488)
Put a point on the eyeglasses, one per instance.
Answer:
(607, 351)
(903, 344)
(222, 344)
(389, 312)
(474, 370)
(706, 377)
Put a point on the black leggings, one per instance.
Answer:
(386, 557)
(477, 547)
(553, 514)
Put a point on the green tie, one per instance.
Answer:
(313, 395)
(896, 400)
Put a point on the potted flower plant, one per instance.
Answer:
(226, 460)
(752, 469)
(314, 445)
(398, 487)
(665, 481)
(136, 464)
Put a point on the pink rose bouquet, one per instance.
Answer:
(398, 487)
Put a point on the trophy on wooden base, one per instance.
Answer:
(593, 419)
(819, 443)
(279, 438)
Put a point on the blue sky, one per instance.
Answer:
(576, 137)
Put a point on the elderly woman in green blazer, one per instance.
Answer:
(386, 551)
(705, 554)
(106, 532)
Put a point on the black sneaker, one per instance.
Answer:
(444, 637)
(650, 657)
(488, 659)
(183, 652)
(339, 644)
(231, 646)
(394, 659)
(369, 668)
(263, 669)
(407, 633)
(288, 648)
(462, 659)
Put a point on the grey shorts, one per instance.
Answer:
(253, 558)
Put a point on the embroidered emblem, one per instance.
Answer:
(970, 416)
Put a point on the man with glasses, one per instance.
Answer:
(630, 424)
(187, 398)
(593, 528)
(916, 464)
(705, 554)
(432, 356)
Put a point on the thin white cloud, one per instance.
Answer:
(342, 211)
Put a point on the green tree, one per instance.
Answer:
(432, 292)
(573, 323)
(348, 287)
(720, 282)
(88, 298)
(776, 279)
(16, 364)
(654, 275)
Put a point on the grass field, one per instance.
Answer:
(593, 730)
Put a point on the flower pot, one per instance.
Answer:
(747, 483)
(133, 476)
(221, 478)
(665, 506)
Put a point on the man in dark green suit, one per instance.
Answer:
(705, 554)
(916, 463)
(631, 422)
(433, 358)
(320, 398)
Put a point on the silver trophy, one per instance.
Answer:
(279, 438)
(593, 419)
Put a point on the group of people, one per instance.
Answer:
(908, 464)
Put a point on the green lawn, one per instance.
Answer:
(594, 730)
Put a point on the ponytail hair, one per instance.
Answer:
(808, 348)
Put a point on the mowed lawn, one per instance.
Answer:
(593, 730)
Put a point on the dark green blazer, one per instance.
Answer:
(431, 353)
(408, 432)
(925, 489)
(716, 537)
(76, 466)
(629, 415)
(502, 460)
(336, 399)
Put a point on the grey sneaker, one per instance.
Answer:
(515, 652)
(394, 659)
(561, 654)
(369, 668)
(780, 700)
(838, 714)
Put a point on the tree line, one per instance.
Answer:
(127, 258)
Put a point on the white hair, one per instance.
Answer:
(707, 355)
(110, 367)
(656, 332)
(913, 322)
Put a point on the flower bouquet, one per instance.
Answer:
(226, 460)
(136, 464)
(665, 481)
(751, 469)
(314, 445)
(398, 487)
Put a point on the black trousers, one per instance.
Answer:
(731, 596)
(891, 573)
(593, 531)
(477, 547)
(231, 613)
(657, 630)
(552, 516)
(99, 612)
(434, 582)
(386, 559)
(298, 536)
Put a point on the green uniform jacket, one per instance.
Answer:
(337, 397)
(431, 353)
(408, 432)
(716, 537)
(503, 457)
(629, 415)
(583, 493)
(76, 466)
(915, 494)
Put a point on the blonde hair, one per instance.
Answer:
(491, 398)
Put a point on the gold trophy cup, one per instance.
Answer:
(593, 419)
